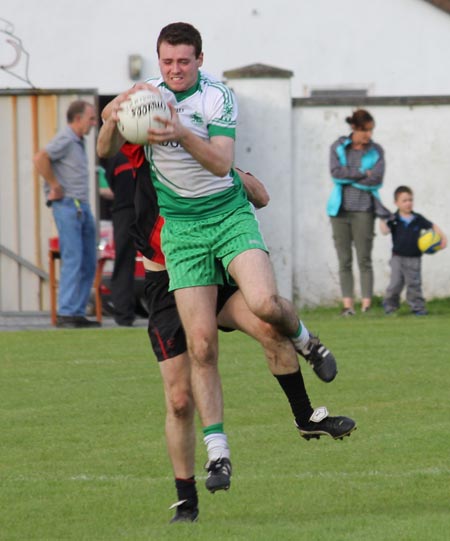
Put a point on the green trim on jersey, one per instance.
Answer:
(176, 207)
(180, 96)
(213, 130)
(228, 101)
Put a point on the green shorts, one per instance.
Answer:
(197, 252)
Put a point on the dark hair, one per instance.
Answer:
(76, 108)
(360, 118)
(402, 189)
(180, 34)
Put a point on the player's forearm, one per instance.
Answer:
(109, 139)
(214, 155)
(256, 191)
(106, 193)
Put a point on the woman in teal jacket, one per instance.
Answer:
(357, 169)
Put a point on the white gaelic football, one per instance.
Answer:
(137, 115)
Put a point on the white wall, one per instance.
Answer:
(287, 147)
(416, 142)
(393, 47)
(265, 112)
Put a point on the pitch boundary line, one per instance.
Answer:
(301, 476)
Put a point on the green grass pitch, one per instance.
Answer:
(83, 453)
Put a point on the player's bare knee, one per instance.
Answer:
(181, 405)
(266, 308)
(279, 351)
(267, 335)
(202, 351)
(283, 359)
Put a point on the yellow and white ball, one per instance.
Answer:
(429, 242)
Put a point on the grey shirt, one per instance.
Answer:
(70, 164)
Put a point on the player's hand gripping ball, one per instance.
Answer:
(137, 115)
(429, 242)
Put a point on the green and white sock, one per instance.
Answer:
(301, 338)
(216, 442)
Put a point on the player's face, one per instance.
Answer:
(87, 120)
(362, 136)
(405, 202)
(179, 66)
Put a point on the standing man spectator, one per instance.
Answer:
(64, 165)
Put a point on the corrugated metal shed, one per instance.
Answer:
(29, 119)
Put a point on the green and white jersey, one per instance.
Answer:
(186, 190)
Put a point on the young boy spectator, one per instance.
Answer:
(405, 228)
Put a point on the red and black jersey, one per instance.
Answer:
(121, 174)
(146, 230)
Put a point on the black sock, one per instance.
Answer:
(187, 490)
(294, 388)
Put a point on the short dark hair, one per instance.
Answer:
(77, 107)
(360, 118)
(180, 34)
(402, 189)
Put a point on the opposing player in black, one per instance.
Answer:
(120, 174)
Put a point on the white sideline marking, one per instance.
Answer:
(94, 361)
(306, 475)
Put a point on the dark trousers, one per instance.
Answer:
(122, 283)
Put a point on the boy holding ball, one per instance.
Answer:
(406, 227)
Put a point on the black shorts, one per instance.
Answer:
(164, 326)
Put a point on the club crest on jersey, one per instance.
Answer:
(196, 118)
